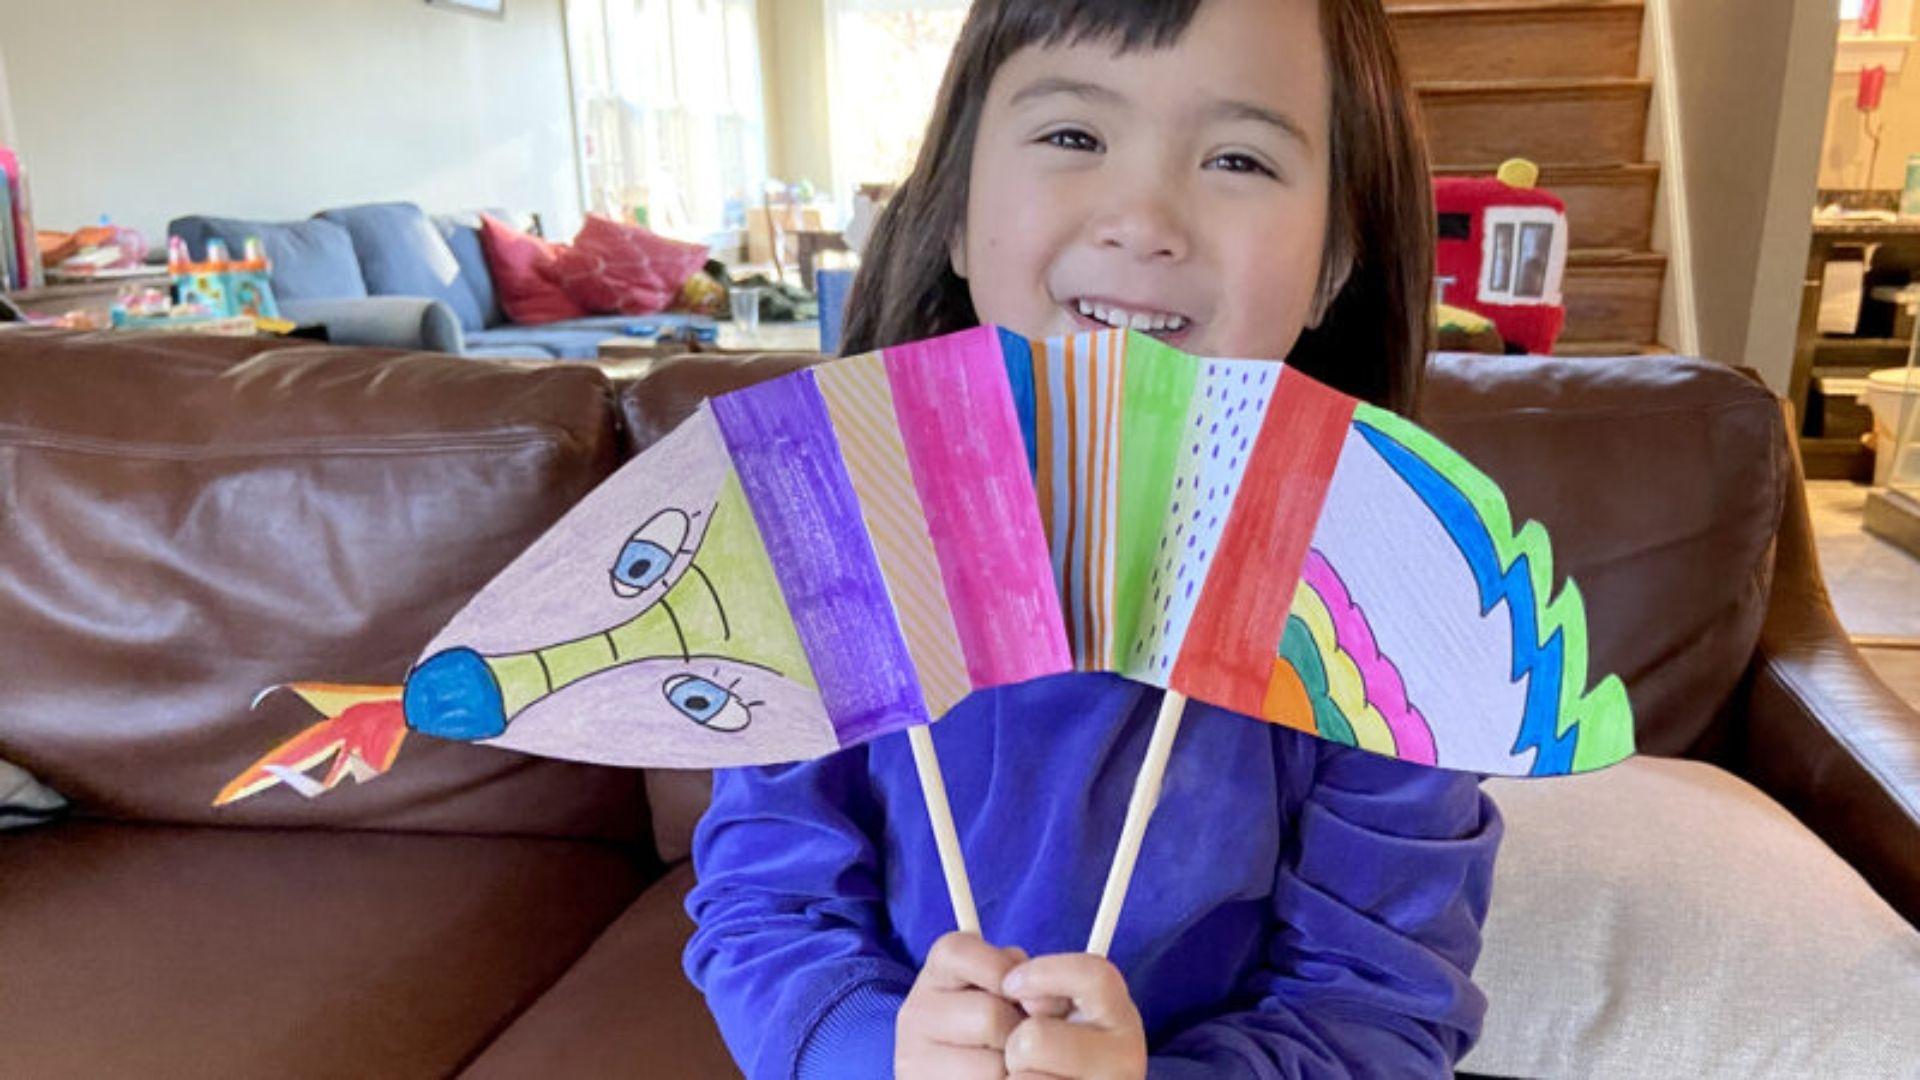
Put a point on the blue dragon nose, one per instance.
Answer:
(453, 695)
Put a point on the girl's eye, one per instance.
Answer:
(1072, 139)
(1239, 163)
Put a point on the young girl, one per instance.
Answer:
(1242, 178)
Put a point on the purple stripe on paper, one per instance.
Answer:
(783, 448)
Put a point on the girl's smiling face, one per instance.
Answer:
(1181, 191)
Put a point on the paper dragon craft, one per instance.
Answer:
(846, 551)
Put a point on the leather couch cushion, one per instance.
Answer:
(190, 520)
(1660, 479)
(625, 1009)
(174, 952)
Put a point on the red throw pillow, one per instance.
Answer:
(625, 269)
(521, 264)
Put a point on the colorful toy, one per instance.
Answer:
(224, 286)
(1503, 253)
(845, 552)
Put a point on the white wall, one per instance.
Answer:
(1847, 152)
(793, 51)
(280, 108)
(1753, 82)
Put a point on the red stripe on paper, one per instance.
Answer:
(1227, 655)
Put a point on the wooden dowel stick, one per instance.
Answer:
(1146, 793)
(945, 836)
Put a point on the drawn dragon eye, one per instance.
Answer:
(649, 552)
(707, 703)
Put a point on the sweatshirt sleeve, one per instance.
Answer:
(1378, 903)
(791, 940)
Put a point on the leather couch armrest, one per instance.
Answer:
(657, 393)
(386, 322)
(1824, 736)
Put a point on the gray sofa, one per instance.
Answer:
(390, 275)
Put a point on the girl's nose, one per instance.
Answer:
(1148, 228)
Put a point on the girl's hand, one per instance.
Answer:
(1081, 1022)
(955, 1022)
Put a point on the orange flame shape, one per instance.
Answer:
(362, 733)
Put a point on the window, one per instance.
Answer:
(1500, 277)
(1524, 255)
(885, 59)
(1536, 249)
(1456, 226)
(669, 110)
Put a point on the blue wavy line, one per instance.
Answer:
(1541, 663)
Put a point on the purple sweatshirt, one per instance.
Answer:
(1299, 908)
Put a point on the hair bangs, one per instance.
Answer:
(1129, 25)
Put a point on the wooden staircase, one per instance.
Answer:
(1556, 81)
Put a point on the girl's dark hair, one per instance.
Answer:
(1373, 339)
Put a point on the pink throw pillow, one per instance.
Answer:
(521, 264)
(625, 269)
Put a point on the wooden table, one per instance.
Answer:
(1841, 456)
(801, 337)
(88, 296)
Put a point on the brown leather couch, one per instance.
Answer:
(184, 521)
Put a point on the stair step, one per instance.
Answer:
(1613, 295)
(1608, 206)
(1440, 41)
(1552, 121)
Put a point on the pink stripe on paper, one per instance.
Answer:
(969, 464)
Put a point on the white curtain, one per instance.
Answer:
(668, 101)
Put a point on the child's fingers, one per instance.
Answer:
(960, 961)
(1060, 1047)
(970, 1018)
(1093, 984)
(953, 1063)
(1055, 1007)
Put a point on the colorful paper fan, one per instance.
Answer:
(847, 551)
(1236, 532)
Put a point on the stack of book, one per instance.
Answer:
(19, 251)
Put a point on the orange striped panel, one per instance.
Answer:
(860, 404)
(1076, 611)
(1043, 409)
(1113, 352)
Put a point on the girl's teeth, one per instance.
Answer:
(1129, 320)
